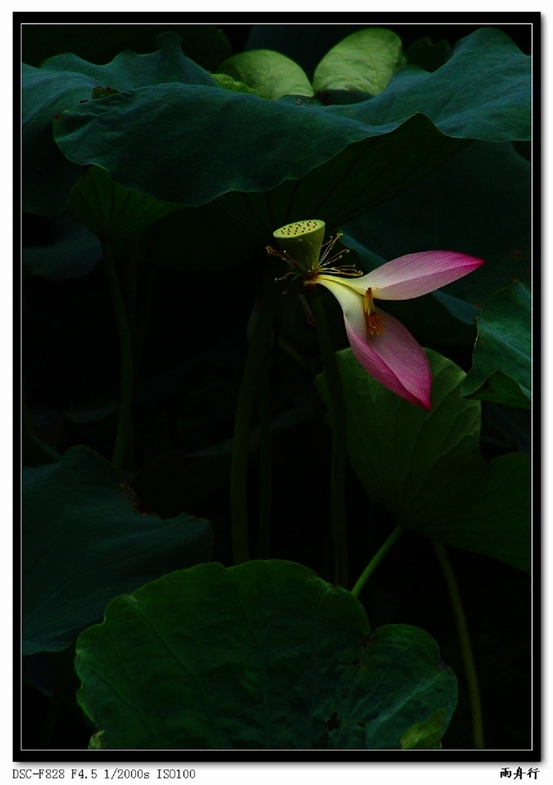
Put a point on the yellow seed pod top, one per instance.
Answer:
(302, 240)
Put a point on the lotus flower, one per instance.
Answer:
(383, 346)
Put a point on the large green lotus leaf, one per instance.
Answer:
(374, 713)
(110, 210)
(269, 73)
(128, 70)
(194, 161)
(365, 60)
(84, 543)
(206, 45)
(355, 180)
(67, 80)
(47, 175)
(502, 359)
(265, 655)
(477, 203)
(485, 81)
(426, 467)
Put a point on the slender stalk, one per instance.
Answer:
(264, 541)
(134, 247)
(257, 354)
(339, 424)
(125, 408)
(375, 561)
(464, 640)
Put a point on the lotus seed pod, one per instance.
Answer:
(302, 241)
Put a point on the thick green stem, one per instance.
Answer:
(375, 561)
(125, 408)
(264, 540)
(339, 424)
(257, 355)
(464, 640)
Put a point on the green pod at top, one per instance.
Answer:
(302, 241)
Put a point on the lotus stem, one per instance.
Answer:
(257, 355)
(339, 425)
(464, 640)
(375, 561)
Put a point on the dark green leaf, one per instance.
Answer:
(465, 312)
(400, 679)
(261, 656)
(111, 211)
(196, 163)
(84, 542)
(501, 368)
(513, 424)
(67, 80)
(71, 250)
(502, 388)
(355, 180)
(426, 467)
(47, 175)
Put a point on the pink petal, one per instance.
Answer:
(394, 358)
(416, 274)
